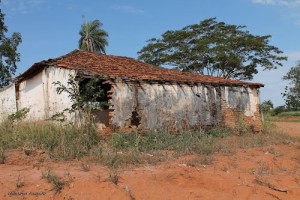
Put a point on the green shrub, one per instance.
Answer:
(242, 128)
(219, 131)
(290, 113)
(19, 115)
(277, 110)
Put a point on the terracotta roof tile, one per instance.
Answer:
(118, 66)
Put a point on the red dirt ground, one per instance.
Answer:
(291, 128)
(258, 173)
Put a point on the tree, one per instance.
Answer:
(266, 106)
(292, 93)
(92, 37)
(8, 53)
(213, 48)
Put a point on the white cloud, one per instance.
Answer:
(270, 2)
(288, 3)
(128, 9)
(290, 7)
(20, 6)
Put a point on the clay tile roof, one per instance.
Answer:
(124, 67)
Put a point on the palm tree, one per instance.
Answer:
(92, 37)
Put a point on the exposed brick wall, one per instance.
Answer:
(232, 116)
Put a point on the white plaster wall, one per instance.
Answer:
(7, 102)
(39, 94)
(58, 102)
(32, 96)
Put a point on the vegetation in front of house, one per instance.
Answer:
(85, 93)
(58, 141)
(69, 141)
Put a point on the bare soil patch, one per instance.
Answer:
(291, 128)
(271, 172)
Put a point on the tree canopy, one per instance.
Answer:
(266, 106)
(292, 92)
(8, 53)
(92, 37)
(213, 48)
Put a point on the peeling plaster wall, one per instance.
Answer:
(242, 103)
(38, 93)
(58, 102)
(179, 106)
(32, 96)
(7, 102)
(242, 99)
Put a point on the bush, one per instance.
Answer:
(290, 113)
(277, 110)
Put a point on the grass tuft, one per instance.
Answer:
(2, 156)
(113, 177)
(56, 181)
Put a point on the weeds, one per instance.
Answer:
(113, 177)
(242, 128)
(85, 167)
(201, 160)
(19, 183)
(59, 141)
(56, 181)
(19, 115)
(186, 142)
(224, 168)
(2, 156)
(263, 168)
(73, 142)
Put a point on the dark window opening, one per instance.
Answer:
(93, 93)
(135, 119)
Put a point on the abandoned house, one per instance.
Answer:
(139, 95)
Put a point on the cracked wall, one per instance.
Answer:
(180, 106)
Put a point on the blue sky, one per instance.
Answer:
(50, 28)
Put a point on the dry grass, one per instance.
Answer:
(122, 149)
(56, 181)
(2, 156)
